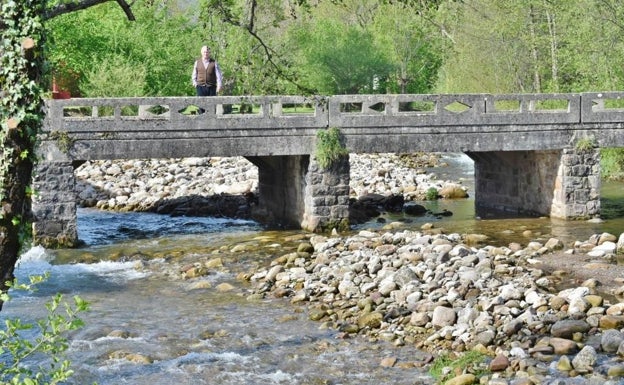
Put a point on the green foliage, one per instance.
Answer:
(21, 103)
(49, 340)
(115, 77)
(532, 46)
(585, 144)
(336, 58)
(329, 147)
(444, 366)
(159, 49)
(431, 194)
(410, 41)
(262, 47)
(612, 163)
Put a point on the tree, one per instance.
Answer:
(153, 57)
(330, 47)
(252, 36)
(412, 43)
(23, 81)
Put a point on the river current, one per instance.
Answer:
(147, 325)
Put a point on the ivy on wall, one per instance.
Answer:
(22, 39)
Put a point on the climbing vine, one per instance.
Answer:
(22, 40)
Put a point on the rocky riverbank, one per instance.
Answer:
(228, 186)
(448, 293)
(523, 307)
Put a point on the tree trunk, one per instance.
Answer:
(554, 68)
(22, 59)
(537, 84)
(21, 114)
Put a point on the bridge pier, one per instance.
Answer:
(294, 192)
(54, 202)
(557, 183)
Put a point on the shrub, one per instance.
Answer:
(585, 144)
(49, 340)
(431, 194)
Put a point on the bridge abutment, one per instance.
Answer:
(54, 201)
(294, 192)
(557, 183)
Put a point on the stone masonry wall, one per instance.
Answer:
(54, 205)
(327, 196)
(577, 189)
(558, 183)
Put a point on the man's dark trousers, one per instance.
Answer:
(206, 90)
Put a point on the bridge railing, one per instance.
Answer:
(602, 107)
(347, 111)
(185, 113)
(453, 110)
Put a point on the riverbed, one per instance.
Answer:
(150, 325)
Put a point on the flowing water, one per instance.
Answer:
(147, 325)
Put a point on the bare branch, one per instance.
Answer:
(252, 16)
(126, 8)
(84, 4)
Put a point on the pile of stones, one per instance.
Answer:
(446, 292)
(226, 186)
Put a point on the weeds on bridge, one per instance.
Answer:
(585, 144)
(329, 147)
(63, 140)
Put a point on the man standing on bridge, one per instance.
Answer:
(206, 74)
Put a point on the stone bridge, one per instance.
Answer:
(533, 153)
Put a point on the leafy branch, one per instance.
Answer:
(50, 340)
(223, 10)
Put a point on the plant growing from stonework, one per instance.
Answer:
(585, 144)
(329, 147)
(48, 340)
(63, 140)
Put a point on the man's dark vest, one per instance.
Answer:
(206, 75)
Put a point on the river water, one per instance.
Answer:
(147, 325)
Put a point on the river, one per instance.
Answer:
(147, 325)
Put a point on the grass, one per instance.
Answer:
(585, 144)
(612, 163)
(444, 367)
